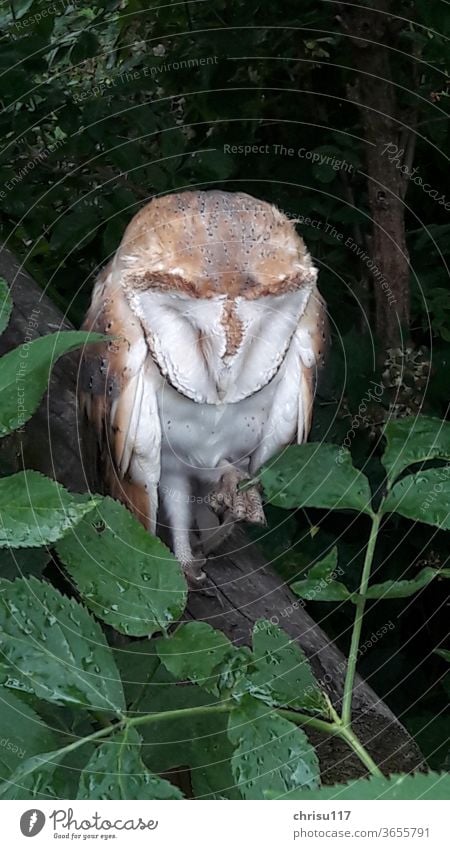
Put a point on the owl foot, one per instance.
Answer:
(194, 574)
(243, 504)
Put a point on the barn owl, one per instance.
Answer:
(217, 329)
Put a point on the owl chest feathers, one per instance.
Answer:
(218, 364)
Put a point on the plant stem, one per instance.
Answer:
(351, 739)
(334, 728)
(310, 721)
(337, 729)
(149, 718)
(357, 625)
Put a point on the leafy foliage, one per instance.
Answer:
(53, 648)
(36, 510)
(411, 441)
(396, 787)
(272, 755)
(25, 373)
(116, 771)
(296, 479)
(128, 578)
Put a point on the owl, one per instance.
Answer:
(216, 333)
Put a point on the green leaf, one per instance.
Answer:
(116, 771)
(397, 787)
(320, 584)
(197, 652)
(126, 576)
(5, 304)
(443, 653)
(137, 663)
(33, 779)
(23, 733)
(35, 510)
(423, 497)
(198, 742)
(414, 440)
(272, 756)
(316, 475)
(402, 589)
(25, 374)
(52, 647)
(282, 675)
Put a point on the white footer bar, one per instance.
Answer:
(227, 824)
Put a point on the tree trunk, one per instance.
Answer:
(389, 148)
(242, 587)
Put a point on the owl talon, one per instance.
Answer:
(243, 504)
(194, 573)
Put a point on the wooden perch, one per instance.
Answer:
(243, 588)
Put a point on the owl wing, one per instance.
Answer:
(118, 383)
(292, 403)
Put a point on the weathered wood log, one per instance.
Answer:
(242, 587)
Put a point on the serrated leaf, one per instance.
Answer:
(281, 675)
(397, 787)
(320, 584)
(33, 779)
(414, 440)
(35, 510)
(197, 652)
(52, 647)
(25, 374)
(402, 589)
(272, 756)
(126, 576)
(316, 475)
(116, 771)
(5, 304)
(423, 497)
(23, 733)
